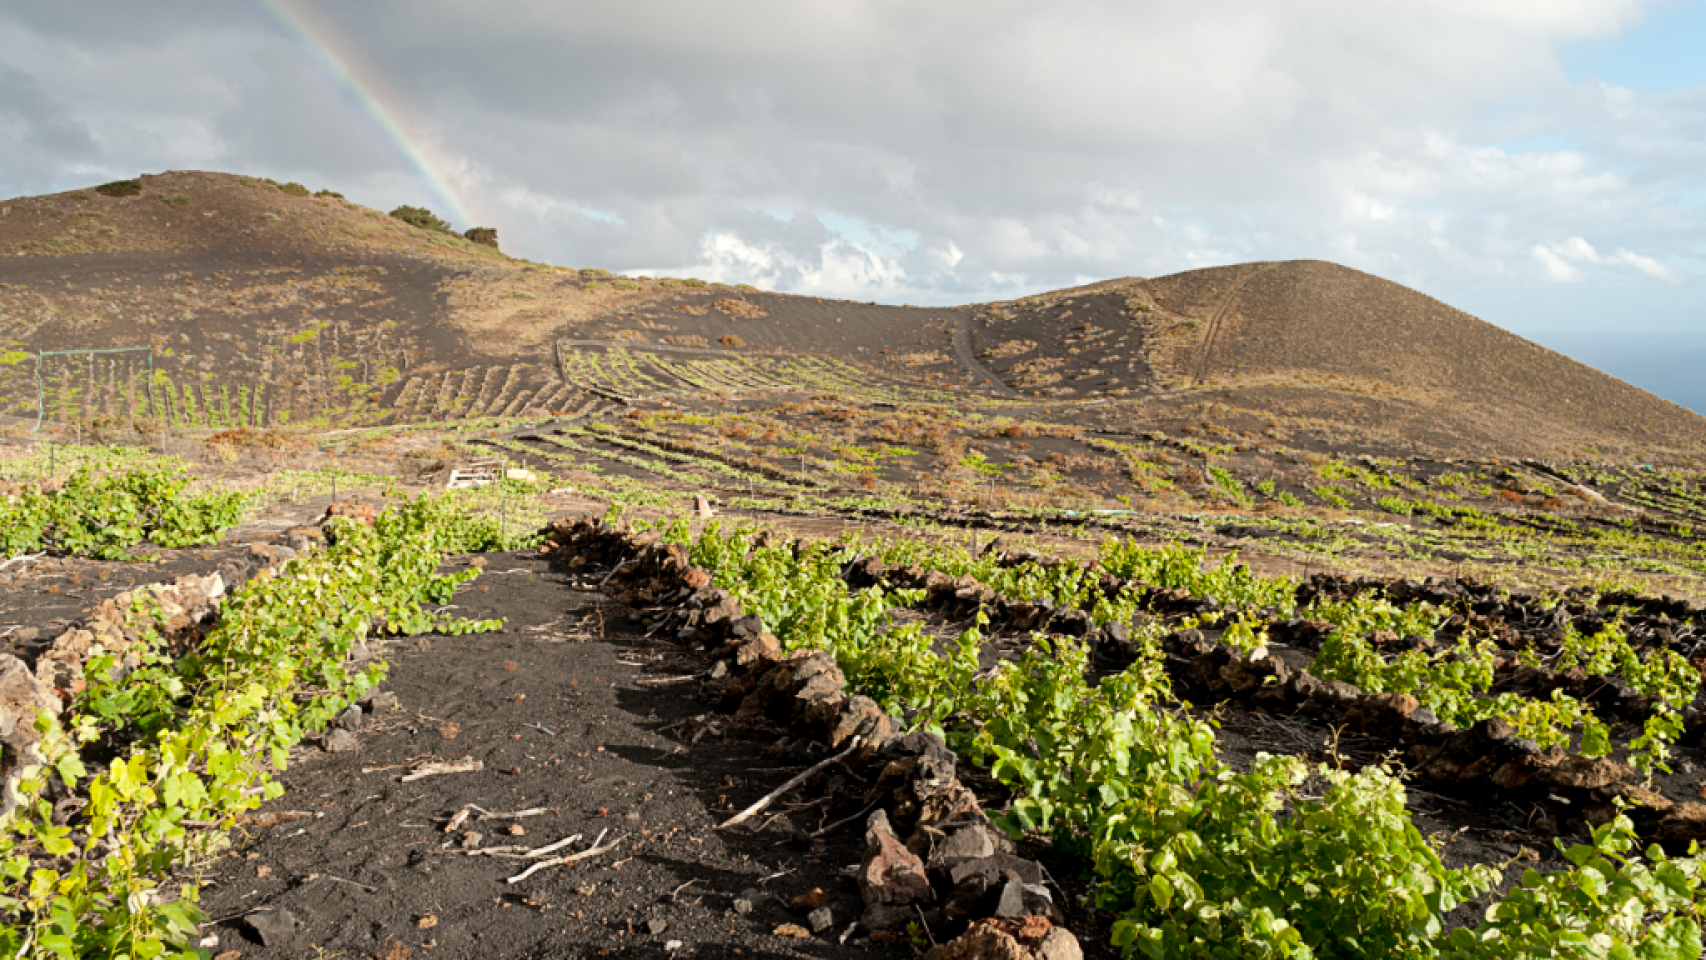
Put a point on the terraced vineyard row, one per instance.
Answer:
(121, 389)
(600, 448)
(483, 391)
(650, 372)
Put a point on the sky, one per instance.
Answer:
(1539, 163)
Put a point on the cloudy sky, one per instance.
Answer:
(1541, 163)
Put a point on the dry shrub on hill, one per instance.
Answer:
(1011, 348)
(743, 309)
(922, 358)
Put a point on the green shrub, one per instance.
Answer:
(1396, 505)
(1333, 495)
(294, 190)
(484, 236)
(333, 194)
(592, 272)
(120, 188)
(104, 517)
(421, 217)
(177, 198)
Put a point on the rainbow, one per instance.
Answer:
(367, 92)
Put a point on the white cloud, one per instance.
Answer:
(1558, 270)
(1559, 261)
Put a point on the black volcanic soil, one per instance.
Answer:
(553, 708)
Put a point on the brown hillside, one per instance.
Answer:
(193, 211)
(268, 307)
(1331, 350)
(1309, 319)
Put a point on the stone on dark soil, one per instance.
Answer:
(351, 718)
(981, 942)
(1059, 944)
(992, 869)
(821, 919)
(379, 701)
(657, 925)
(1579, 773)
(339, 740)
(890, 873)
(860, 714)
(967, 842)
(272, 927)
(807, 902)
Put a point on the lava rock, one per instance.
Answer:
(272, 928)
(889, 872)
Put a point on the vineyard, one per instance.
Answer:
(1083, 715)
(450, 604)
(636, 372)
(1208, 746)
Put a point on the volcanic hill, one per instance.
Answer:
(263, 305)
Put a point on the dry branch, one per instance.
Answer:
(805, 775)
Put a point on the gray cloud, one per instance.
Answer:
(937, 152)
(40, 139)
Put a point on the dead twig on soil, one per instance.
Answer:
(665, 681)
(462, 815)
(592, 851)
(843, 822)
(517, 852)
(802, 777)
(23, 557)
(464, 765)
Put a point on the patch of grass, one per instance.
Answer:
(120, 188)
(423, 218)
